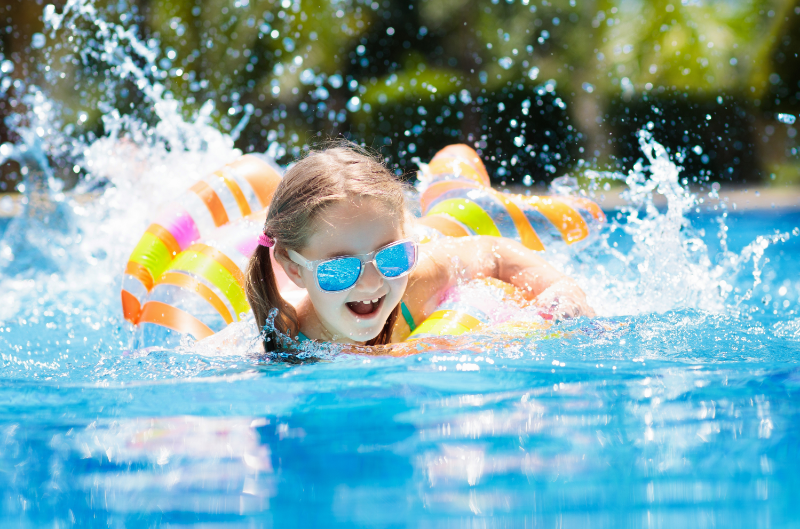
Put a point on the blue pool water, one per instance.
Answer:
(687, 417)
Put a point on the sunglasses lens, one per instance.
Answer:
(338, 274)
(397, 259)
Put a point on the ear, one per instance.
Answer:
(291, 268)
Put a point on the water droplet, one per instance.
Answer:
(335, 80)
(533, 73)
(527, 180)
(519, 141)
(321, 93)
(506, 63)
(697, 149)
(6, 67)
(588, 87)
(354, 104)
(708, 117)
(789, 119)
(37, 42)
(307, 76)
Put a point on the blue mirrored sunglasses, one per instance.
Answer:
(341, 273)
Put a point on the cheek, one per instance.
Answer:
(325, 301)
(398, 286)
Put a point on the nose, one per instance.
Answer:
(371, 280)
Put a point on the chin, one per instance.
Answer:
(364, 335)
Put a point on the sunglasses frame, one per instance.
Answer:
(365, 258)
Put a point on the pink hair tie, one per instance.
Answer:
(266, 240)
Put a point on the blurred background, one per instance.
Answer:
(541, 88)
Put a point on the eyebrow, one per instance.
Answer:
(334, 255)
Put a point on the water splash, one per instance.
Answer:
(649, 261)
(654, 261)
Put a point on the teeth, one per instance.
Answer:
(368, 301)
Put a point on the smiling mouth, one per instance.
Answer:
(366, 308)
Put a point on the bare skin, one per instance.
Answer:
(442, 263)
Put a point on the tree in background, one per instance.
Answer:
(540, 88)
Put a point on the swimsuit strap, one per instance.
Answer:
(403, 308)
(407, 316)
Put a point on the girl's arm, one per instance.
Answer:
(444, 262)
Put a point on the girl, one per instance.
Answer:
(340, 229)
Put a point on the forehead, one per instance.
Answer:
(353, 226)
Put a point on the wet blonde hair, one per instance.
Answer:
(326, 177)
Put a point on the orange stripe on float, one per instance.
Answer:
(173, 318)
(261, 176)
(222, 259)
(190, 283)
(212, 202)
(527, 234)
(236, 191)
(141, 273)
(460, 150)
(455, 165)
(568, 221)
(444, 225)
(439, 188)
(591, 207)
(166, 237)
(130, 307)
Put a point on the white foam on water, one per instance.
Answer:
(136, 167)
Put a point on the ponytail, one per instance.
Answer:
(264, 296)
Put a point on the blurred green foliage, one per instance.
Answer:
(540, 87)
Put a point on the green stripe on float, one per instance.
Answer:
(152, 254)
(468, 213)
(208, 268)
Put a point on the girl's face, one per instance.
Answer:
(352, 227)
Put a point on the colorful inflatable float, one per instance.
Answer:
(186, 274)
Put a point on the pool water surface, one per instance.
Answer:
(686, 417)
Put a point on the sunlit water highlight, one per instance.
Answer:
(676, 407)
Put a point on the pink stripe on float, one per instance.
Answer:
(248, 245)
(181, 225)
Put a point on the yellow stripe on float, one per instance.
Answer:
(468, 213)
(203, 265)
(446, 322)
(152, 254)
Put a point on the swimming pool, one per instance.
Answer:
(680, 418)
(676, 407)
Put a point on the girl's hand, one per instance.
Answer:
(562, 300)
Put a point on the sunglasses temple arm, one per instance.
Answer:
(300, 260)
